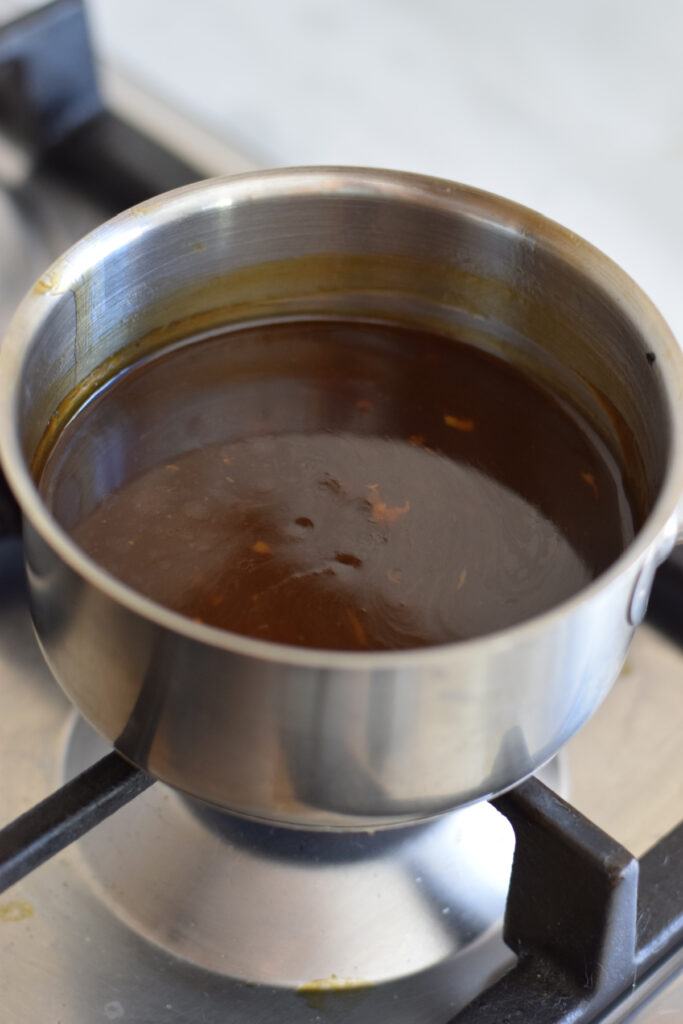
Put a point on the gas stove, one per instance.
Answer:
(125, 901)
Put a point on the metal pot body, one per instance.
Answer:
(319, 738)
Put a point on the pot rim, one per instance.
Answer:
(64, 273)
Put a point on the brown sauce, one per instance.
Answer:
(339, 485)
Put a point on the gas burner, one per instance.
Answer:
(291, 908)
(300, 910)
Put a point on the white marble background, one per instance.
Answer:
(573, 108)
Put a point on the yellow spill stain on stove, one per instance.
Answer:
(17, 910)
(317, 991)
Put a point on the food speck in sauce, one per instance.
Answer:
(388, 488)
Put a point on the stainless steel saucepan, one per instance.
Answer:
(317, 738)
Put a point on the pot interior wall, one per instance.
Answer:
(148, 280)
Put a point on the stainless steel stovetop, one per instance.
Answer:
(168, 912)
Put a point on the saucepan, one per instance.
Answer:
(315, 738)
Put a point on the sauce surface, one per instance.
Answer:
(339, 485)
